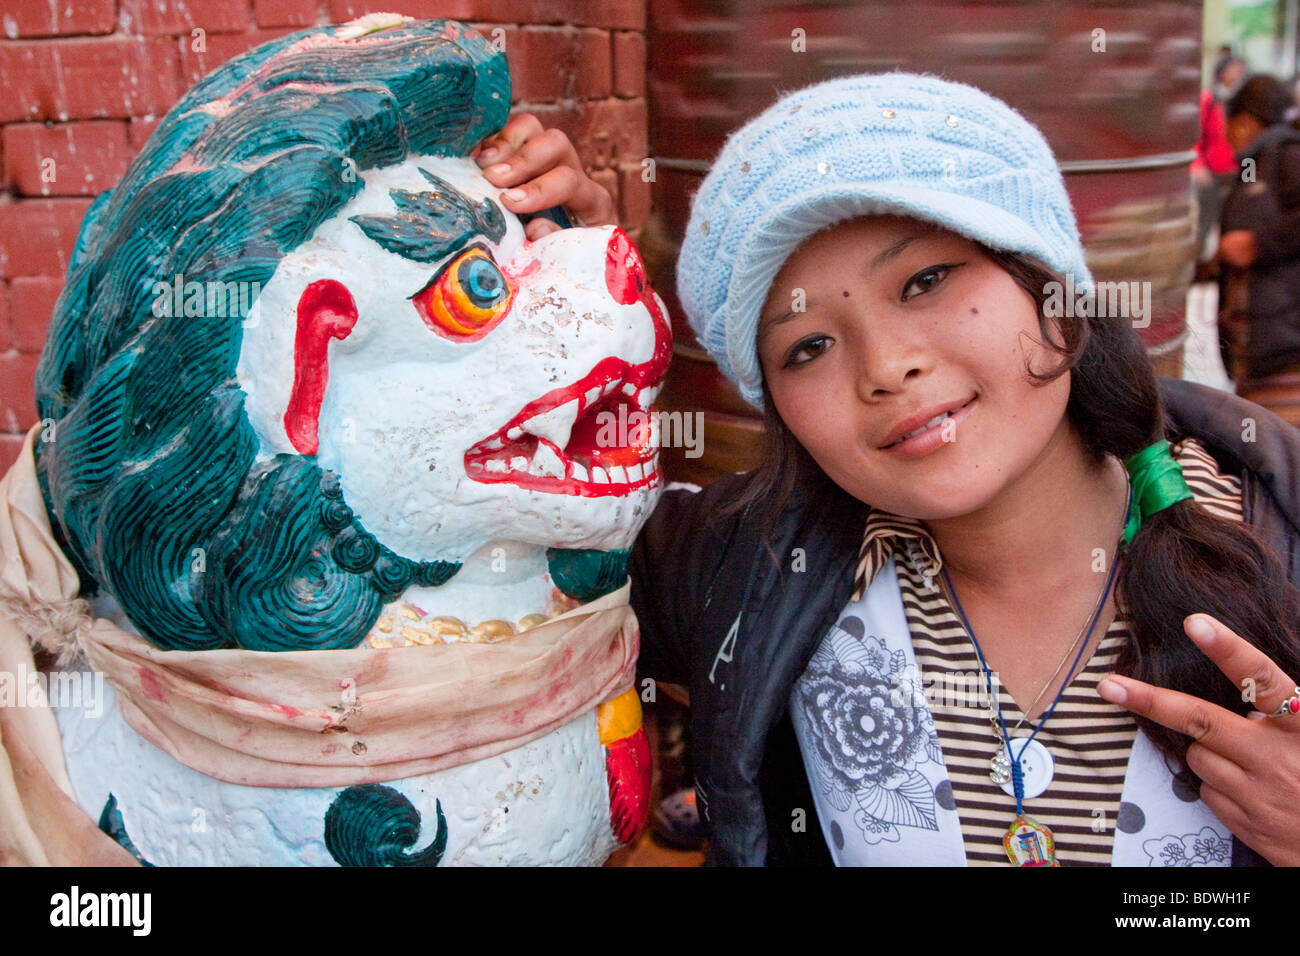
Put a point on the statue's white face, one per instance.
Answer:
(497, 389)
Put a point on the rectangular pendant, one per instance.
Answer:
(1029, 843)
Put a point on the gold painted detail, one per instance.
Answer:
(619, 718)
(393, 630)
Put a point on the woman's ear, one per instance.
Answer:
(326, 311)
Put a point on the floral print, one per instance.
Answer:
(1205, 848)
(863, 710)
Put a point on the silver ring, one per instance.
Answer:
(1289, 706)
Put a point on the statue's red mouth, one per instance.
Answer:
(599, 435)
(594, 437)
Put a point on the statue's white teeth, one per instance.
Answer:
(599, 475)
(554, 425)
(546, 463)
(634, 472)
(617, 475)
(579, 472)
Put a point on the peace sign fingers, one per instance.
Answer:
(1249, 766)
(1260, 680)
(1216, 729)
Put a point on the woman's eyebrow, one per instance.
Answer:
(882, 258)
(766, 325)
(892, 251)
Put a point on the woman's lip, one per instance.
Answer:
(918, 420)
(932, 438)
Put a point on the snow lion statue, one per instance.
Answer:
(322, 538)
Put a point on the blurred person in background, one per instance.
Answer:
(1215, 165)
(1260, 242)
(1229, 73)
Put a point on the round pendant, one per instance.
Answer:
(1036, 764)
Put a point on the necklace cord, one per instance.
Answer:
(1017, 774)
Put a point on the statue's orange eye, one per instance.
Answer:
(467, 298)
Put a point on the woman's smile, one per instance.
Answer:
(934, 433)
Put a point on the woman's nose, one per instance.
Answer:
(889, 360)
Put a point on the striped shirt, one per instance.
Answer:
(1089, 738)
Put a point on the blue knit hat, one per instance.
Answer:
(896, 143)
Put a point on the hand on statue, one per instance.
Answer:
(1249, 766)
(539, 168)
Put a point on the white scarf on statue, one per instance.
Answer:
(893, 806)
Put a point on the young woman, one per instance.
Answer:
(972, 607)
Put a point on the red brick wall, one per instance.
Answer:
(86, 81)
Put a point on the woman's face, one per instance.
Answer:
(875, 327)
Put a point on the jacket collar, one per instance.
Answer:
(1252, 443)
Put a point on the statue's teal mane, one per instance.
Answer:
(148, 470)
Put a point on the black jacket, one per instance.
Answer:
(719, 616)
(1268, 205)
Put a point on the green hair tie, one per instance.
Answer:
(1157, 483)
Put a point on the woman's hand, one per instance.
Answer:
(1249, 766)
(539, 168)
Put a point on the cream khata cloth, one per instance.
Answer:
(329, 718)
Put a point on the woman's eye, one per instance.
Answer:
(467, 298)
(925, 280)
(812, 347)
